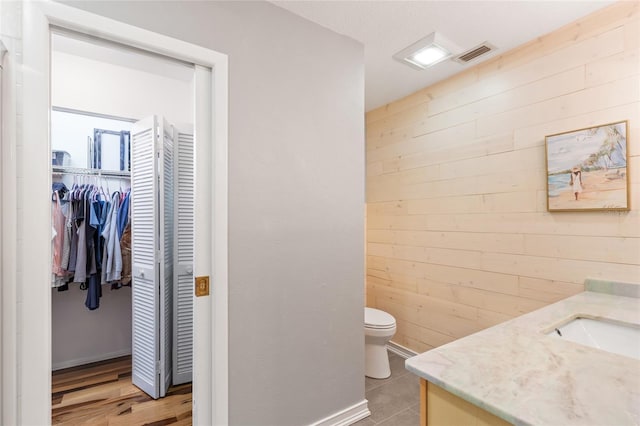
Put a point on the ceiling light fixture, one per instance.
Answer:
(427, 52)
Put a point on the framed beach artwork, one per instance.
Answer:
(587, 169)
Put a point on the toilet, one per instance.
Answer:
(379, 328)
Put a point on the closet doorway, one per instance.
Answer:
(210, 387)
(123, 220)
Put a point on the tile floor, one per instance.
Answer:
(393, 401)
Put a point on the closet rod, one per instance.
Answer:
(92, 172)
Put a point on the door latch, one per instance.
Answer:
(202, 286)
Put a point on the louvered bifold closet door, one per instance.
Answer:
(183, 256)
(167, 237)
(145, 256)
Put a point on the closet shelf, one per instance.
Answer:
(58, 170)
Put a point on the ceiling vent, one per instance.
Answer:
(474, 53)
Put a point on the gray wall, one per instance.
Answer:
(296, 203)
(80, 336)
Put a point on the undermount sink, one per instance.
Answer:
(621, 339)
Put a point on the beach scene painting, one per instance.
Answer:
(587, 169)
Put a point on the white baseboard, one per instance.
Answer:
(400, 350)
(346, 417)
(89, 359)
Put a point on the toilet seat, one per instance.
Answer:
(377, 319)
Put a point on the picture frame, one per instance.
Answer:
(587, 169)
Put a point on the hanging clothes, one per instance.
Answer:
(81, 265)
(68, 231)
(94, 290)
(112, 262)
(90, 232)
(124, 221)
(58, 225)
(125, 249)
(94, 293)
(123, 214)
(75, 215)
(99, 210)
(58, 220)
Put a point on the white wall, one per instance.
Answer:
(296, 196)
(79, 335)
(69, 133)
(106, 88)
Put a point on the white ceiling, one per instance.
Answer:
(386, 27)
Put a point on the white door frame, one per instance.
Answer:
(31, 327)
(8, 220)
(3, 154)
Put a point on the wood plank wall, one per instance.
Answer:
(458, 236)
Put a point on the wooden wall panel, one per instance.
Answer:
(458, 236)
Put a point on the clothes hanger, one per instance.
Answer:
(104, 195)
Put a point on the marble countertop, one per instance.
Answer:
(516, 372)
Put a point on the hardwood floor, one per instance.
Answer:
(101, 394)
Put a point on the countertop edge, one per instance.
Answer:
(466, 396)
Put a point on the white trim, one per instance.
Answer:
(33, 376)
(8, 220)
(80, 21)
(346, 417)
(34, 224)
(202, 314)
(7, 145)
(3, 51)
(400, 350)
(220, 236)
(89, 359)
